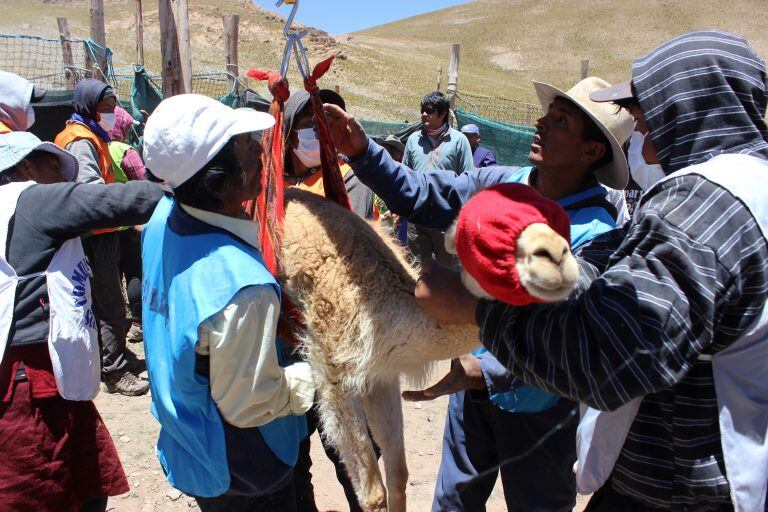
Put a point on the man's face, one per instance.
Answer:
(473, 139)
(44, 169)
(558, 142)
(431, 119)
(249, 150)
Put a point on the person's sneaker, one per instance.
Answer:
(125, 383)
(135, 334)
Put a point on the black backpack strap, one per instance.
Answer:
(597, 200)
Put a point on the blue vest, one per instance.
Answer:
(191, 272)
(586, 223)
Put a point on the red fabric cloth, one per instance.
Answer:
(487, 231)
(37, 365)
(268, 209)
(333, 182)
(55, 454)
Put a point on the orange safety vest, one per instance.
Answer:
(76, 131)
(4, 128)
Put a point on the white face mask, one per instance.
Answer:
(645, 175)
(308, 149)
(107, 121)
(30, 117)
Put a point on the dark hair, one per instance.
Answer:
(221, 174)
(14, 174)
(436, 100)
(592, 132)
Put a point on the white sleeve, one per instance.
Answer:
(247, 383)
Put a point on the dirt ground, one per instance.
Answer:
(135, 433)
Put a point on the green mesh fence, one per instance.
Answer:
(510, 143)
(53, 63)
(502, 109)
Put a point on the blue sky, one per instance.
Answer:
(341, 16)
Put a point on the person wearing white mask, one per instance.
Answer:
(16, 98)
(302, 153)
(86, 135)
(645, 175)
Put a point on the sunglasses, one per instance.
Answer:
(429, 110)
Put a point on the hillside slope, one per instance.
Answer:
(384, 71)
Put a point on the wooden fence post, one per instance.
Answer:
(66, 52)
(439, 77)
(584, 68)
(139, 34)
(185, 55)
(231, 31)
(98, 36)
(174, 46)
(453, 74)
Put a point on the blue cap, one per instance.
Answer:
(15, 146)
(471, 129)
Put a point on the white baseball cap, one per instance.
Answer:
(186, 131)
(15, 146)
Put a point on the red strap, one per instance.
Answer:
(269, 208)
(333, 182)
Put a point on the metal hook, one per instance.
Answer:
(293, 43)
(289, 21)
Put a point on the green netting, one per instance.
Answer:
(53, 63)
(381, 128)
(510, 143)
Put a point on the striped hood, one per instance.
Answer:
(703, 94)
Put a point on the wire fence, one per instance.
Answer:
(54, 63)
(499, 109)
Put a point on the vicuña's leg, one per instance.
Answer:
(345, 427)
(384, 411)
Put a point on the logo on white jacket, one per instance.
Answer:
(80, 290)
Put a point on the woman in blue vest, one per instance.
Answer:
(230, 413)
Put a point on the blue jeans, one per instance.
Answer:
(479, 437)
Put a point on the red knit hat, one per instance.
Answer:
(487, 232)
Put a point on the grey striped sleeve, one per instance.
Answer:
(689, 274)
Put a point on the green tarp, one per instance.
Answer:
(510, 143)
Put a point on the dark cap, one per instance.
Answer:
(300, 99)
(618, 92)
(37, 95)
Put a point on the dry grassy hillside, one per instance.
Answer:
(385, 70)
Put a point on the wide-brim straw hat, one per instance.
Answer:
(616, 124)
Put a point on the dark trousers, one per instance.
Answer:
(482, 440)
(428, 243)
(302, 477)
(103, 252)
(283, 500)
(130, 270)
(606, 499)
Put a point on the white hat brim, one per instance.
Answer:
(614, 174)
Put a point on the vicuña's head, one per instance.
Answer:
(512, 243)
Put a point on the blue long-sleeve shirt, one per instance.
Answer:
(433, 199)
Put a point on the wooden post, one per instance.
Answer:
(337, 89)
(174, 47)
(453, 75)
(98, 36)
(139, 34)
(584, 68)
(439, 77)
(66, 52)
(231, 24)
(185, 55)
